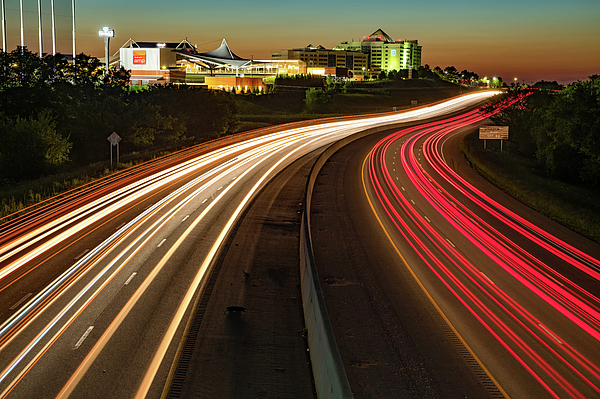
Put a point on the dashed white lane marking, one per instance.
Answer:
(81, 254)
(13, 307)
(185, 218)
(450, 242)
(161, 243)
(550, 333)
(205, 199)
(426, 218)
(130, 278)
(487, 278)
(84, 336)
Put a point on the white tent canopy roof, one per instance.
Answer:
(221, 57)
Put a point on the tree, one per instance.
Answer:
(317, 100)
(496, 82)
(542, 84)
(31, 147)
(451, 70)
(562, 130)
(330, 82)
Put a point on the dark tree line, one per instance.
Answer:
(560, 129)
(450, 73)
(54, 114)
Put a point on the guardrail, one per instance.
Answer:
(328, 370)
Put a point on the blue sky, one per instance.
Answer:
(530, 40)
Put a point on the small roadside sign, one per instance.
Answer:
(114, 138)
(493, 132)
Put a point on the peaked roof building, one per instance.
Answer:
(222, 57)
(385, 53)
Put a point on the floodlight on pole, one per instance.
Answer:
(106, 33)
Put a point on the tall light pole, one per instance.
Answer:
(40, 28)
(106, 33)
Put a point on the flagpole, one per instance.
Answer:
(22, 31)
(40, 28)
(3, 28)
(53, 30)
(73, 8)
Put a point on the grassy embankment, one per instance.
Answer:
(362, 98)
(254, 112)
(573, 206)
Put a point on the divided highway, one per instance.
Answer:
(108, 323)
(522, 301)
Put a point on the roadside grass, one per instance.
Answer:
(28, 195)
(573, 206)
(15, 198)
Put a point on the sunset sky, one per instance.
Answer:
(531, 39)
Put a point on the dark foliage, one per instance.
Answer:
(54, 114)
(561, 130)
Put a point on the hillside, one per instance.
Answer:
(360, 98)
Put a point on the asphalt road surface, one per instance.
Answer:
(436, 289)
(393, 342)
(257, 350)
(95, 298)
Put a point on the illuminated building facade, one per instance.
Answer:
(237, 84)
(318, 58)
(153, 63)
(385, 53)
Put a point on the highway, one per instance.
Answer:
(95, 291)
(518, 292)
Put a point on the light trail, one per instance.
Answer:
(44, 319)
(556, 361)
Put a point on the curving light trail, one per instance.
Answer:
(229, 177)
(556, 357)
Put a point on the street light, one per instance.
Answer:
(106, 33)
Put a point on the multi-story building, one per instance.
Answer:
(318, 58)
(385, 53)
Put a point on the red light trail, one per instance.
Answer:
(550, 355)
